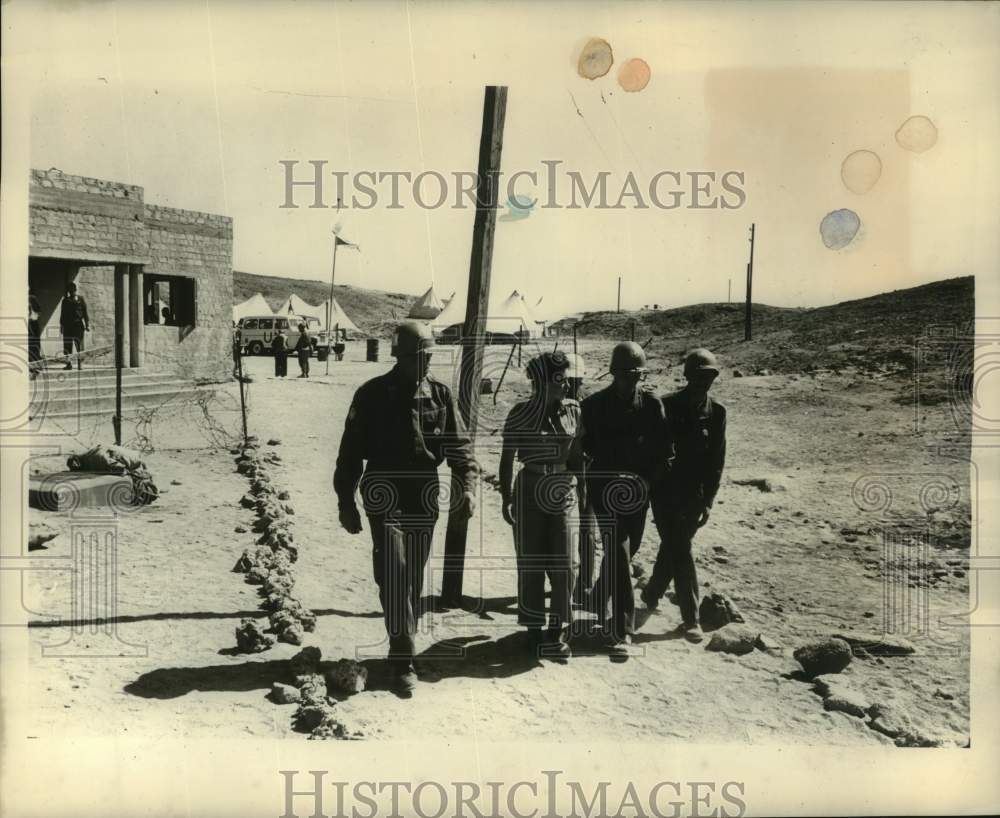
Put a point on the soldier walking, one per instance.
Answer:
(681, 503)
(625, 436)
(544, 433)
(404, 424)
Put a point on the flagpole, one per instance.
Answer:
(329, 304)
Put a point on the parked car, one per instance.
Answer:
(256, 332)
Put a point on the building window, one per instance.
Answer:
(170, 300)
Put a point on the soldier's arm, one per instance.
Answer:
(577, 462)
(351, 455)
(663, 444)
(86, 315)
(718, 462)
(458, 447)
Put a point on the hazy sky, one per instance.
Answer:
(198, 103)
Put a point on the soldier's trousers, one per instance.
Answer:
(621, 525)
(399, 557)
(72, 337)
(545, 540)
(588, 537)
(675, 560)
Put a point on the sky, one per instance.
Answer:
(199, 103)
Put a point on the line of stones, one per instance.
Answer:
(269, 564)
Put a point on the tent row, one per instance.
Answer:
(509, 316)
(294, 305)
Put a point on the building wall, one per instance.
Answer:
(198, 245)
(76, 219)
(87, 219)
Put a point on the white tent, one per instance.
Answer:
(255, 305)
(337, 316)
(508, 315)
(427, 306)
(453, 313)
(293, 305)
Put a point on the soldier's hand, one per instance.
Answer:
(350, 519)
(703, 518)
(507, 509)
(468, 507)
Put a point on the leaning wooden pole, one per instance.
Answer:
(477, 304)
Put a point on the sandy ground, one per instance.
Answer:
(802, 562)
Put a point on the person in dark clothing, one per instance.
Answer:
(625, 436)
(544, 433)
(589, 534)
(303, 348)
(401, 426)
(34, 335)
(279, 348)
(681, 503)
(73, 322)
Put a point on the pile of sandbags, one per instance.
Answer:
(121, 461)
(269, 564)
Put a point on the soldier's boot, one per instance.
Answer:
(405, 681)
(556, 645)
(619, 649)
(692, 632)
(649, 599)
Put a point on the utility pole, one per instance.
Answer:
(729, 292)
(477, 305)
(748, 318)
(619, 294)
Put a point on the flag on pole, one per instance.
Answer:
(345, 243)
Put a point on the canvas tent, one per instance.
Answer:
(337, 316)
(507, 316)
(293, 305)
(427, 306)
(255, 305)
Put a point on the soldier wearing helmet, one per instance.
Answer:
(544, 434)
(401, 426)
(625, 436)
(681, 504)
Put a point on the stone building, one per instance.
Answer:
(162, 276)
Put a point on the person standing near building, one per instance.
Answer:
(34, 335)
(682, 502)
(401, 426)
(625, 435)
(73, 322)
(279, 348)
(303, 348)
(545, 434)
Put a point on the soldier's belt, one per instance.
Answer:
(545, 468)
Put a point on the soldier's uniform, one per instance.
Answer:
(699, 439)
(404, 432)
(73, 321)
(548, 444)
(626, 443)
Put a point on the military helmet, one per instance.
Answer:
(628, 356)
(542, 367)
(700, 360)
(411, 337)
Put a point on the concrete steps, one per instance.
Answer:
(91, 392)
